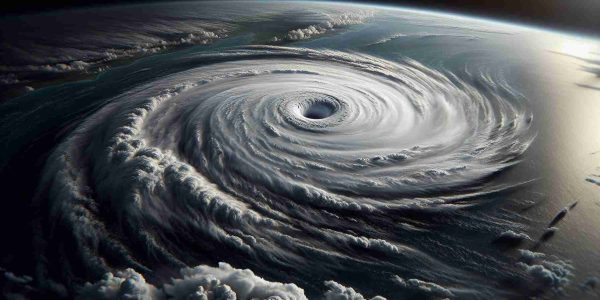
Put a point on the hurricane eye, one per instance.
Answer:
(319, 110)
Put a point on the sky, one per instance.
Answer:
(581, 16)
(568, 15)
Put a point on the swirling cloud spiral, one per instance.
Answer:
(270, 155)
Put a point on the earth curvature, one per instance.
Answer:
(296, 150)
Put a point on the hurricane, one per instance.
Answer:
(297, 162)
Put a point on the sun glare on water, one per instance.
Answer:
(579, 48)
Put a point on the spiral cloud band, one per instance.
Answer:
(274, 159)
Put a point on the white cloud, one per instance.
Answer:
(528, 256)
(337, 291)
(554, 275)
(226, 282)
(333, 23)
(208, 283)
(126, 284)
(202, 282)
(305, 33)
(424, 287)
(511, 237)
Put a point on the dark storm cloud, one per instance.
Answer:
(590, 284)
